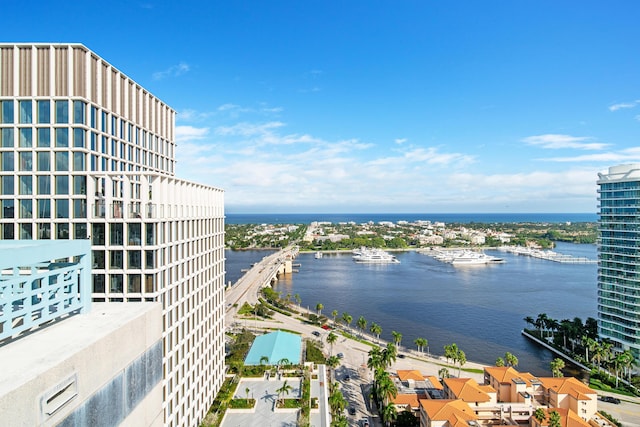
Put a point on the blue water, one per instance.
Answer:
(479, 308)
(460, 218)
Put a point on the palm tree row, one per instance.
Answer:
(451, 351)
(384, 388)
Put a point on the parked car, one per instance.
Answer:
(347, 378)
(610, 399)
(364, 422)
(316, 333)
(352, 410)
(340, 355)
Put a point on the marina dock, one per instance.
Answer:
(547, 255)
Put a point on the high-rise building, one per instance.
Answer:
(619, 257)
(87, 153)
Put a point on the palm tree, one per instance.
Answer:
(556, 367)
(285, 389)
(389, 413)
(421, 343)
(336, 400)
(397, 337)
(386, 388)
(375, 330)
(264, 360)
(540, 415)
(246, 391)
(362, 324)
(375, 358)
(589, 344)
(347, 319)
(554, 419)
(389, 354)
(319, 308)
(499, 362)
(298, 299)
(450, 351)
(529, 320)
(461, 358)
(334, 314)
(332, 338)
(443, 373)
(510, 359)
(541, 323)
(283, 362)
(332, 362)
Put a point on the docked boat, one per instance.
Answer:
(466, 257)
(318, 255)
(373, 256)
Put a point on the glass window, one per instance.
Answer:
(26, 185)
(79, 185)
(44, 112)
(150, 259)
(78, 137)
(79, 208)
(62, 208)
(114, 125)
(116, 234)
(7, 185)
(26, 208)
(62, 137)
(44, 161)
(6, 137)
(7, 231)
(115, 260)
(44, 184)
(97, 234)
(78, 161)
(6, 111)
(44, 137)
(98, 283)
(62, 111)
(44, 208)
(26, 232)
(44, 231)
(25, 137)
(105, 121)
(116, 283)
(62, 160)
(78, 112)
(6, 161)
(62, 231)
(26, 111)
(7, 209)
(135, 233)
(26, 161)
(135, 259)
(135, 283)
(62, 184)
(80, 231)
(98, 259)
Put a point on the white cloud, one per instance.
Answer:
(622, 156)
(173, 71)
(400, 140)
(190, 133)
(622, 105)
(558, 141)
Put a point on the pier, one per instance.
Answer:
(547, 255)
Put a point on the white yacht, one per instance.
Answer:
(318, 255)
(474, 258)
(373, 256)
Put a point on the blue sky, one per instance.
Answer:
(377, 106)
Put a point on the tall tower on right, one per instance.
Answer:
(619, 257)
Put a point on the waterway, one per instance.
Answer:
(480, 308)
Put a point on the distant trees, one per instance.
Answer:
(421, 343)
(556, 367)
(451, 351)
(397, 338)
(375, 330)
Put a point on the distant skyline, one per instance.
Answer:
(377, 106)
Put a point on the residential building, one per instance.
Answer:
(446, 413)
(87, 153)
(619, 257)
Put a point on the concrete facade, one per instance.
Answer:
(103, 368)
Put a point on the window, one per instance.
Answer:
(116, 234)
(62, 160)
(97, 234)
(98, 283)
(78, 112)
(62, 111)
(26, 112)
(26, 232)
(116, 259)
(62, 208)
(6, 137)
(78, 137)
(26, 161)
(25, 185)
(135, 259)
(44, 137)
(62, 137)
(26, 209)
(6, 111)
(6, 161)
(7, 185)
(79, 208)
(44, 231)
(79, 185)
(150, 259)
(25, 137)
(80, 231)
(7, 232)
(7, 209)
(44, 161)
(116, 283)
(78, 161)
(44, 208)
(44, 112)
(62, 231)
(134, 285)
(135, 234)
(98, 259)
